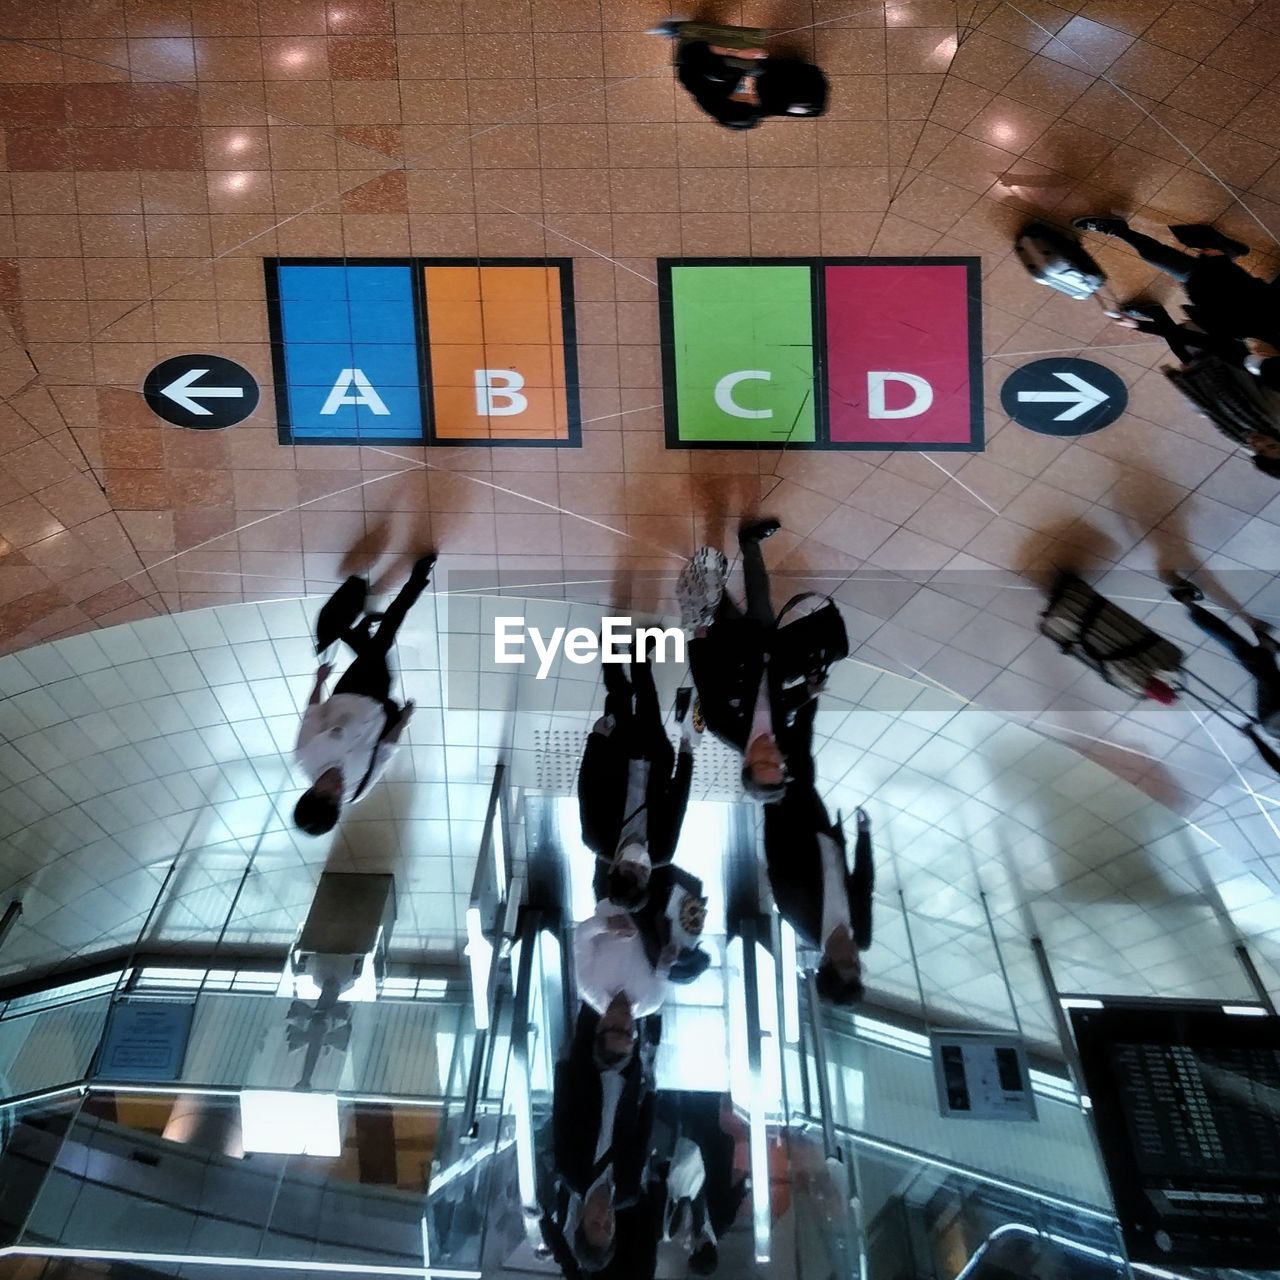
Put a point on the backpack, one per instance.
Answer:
(1059, 260)
(811, 643)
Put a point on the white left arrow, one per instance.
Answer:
(1083, 397)
(182, 393)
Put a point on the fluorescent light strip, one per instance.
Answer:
(790, 985)
(1081, 1002)
(1245, 1010)
(264, 1264)
(975, 1175)
(210, 1091)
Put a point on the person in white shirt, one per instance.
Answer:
(617, 979)
(347, 740)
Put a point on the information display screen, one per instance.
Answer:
(1187, 1106)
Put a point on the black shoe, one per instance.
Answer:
(1199, 235)
(422, 567)
(758, 531)
(1185, 592)
(684, 700)
(1148, 312)
(1104, 226)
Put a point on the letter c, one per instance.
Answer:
(724, 393)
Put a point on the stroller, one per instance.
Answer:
(1128, 655)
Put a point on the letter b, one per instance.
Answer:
(498, 393)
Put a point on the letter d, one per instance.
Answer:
(921, 400)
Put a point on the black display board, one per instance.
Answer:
(1186, 1100)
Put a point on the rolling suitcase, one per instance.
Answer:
(1059, 260)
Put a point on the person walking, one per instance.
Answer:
(602, 1132)
(731, 76)
(1257, 658)
(750, 676)
(633, 787)
(617, 977)
(1224, 299)
(346, 741)
(828, 906)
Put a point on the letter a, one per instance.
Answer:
(365, 394)
(499, 399)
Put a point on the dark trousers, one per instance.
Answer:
(1260, 663)
(633, 704)
(1173, 262)
(759, 603)
(370, 639)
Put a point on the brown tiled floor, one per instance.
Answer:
(156, 150)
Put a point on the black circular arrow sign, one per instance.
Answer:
(1062, 397)
(206, 392)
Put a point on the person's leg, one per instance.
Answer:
(1244, 651)
(651, 739)
(396, 612)
(759, 604)
(368, 676)
(1164, 257)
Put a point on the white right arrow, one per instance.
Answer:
(181, 392)
(1084, 397)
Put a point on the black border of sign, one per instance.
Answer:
(822, 442)
(284, 429)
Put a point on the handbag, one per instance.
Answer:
(811, 644)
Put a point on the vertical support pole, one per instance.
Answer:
(830, 1146)
(1066, 1041)
(521, 1085)
(758, 1144)
(10, 918)
(1004, 973)
(1242, 954)
(915, 963)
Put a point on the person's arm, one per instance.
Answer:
(382, 754)
(677, 803)
(323, 672)
(312, 724)
(797, 746)
(861, 884)
(394, 729)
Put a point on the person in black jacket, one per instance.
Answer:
(737, 83)
(1223, 298)
(633, 788)
(749, 689)
(827, 906)
(602, 1132)
(1257, 658)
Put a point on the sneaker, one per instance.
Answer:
(1185, 592)
(1104, 226)
(758, 531)
(670, 28)
(422, 567)
(701, 587)
(864, 819)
